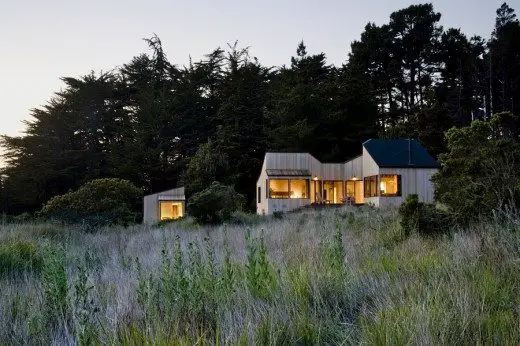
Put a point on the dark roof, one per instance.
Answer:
(288, 172)
(399, 153)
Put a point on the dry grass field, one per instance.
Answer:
(338, 276)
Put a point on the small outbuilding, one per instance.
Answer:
(165, 205)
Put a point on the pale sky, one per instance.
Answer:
(44, 40)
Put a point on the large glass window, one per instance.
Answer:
(354, 190)
(316, 193)
(171, 210)
(278, 188)
(390, 185)
(284, 188)
(351, 188)
(333, 192)
(371, 186)
(299, 188)
(339, 194)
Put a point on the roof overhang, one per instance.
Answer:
(288, 172)
(170, 198)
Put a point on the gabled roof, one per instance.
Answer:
(399, 153)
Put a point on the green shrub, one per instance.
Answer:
(278, 214)
(55, 284)
(479, 174)
(215, 204)
(18, 256)
(422, 217)
(97, 203)
(243, 218)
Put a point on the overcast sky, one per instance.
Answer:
(44, 40)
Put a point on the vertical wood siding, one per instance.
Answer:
(370, 167)
(354, 168)
(151, 203)
(413, 180)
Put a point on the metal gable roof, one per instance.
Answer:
(399, 153)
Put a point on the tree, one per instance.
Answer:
(504, 55)
(241, 129)
(462, 76)
(479, 172)
(215, 204)
(207, 165)
(66, 143)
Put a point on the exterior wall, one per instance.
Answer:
(369, 166)
(413, 181)
(284, 205)
(292, 161)
(354, 168)
(284, 161)
(151, 203)
(262, 207)
(332, 171)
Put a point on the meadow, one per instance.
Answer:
(331, 276)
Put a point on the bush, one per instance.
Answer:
(479, 174)
(245, 218)
(278, 214)
(98, 203)
(215, 204)
(18, 256)
(422, 217)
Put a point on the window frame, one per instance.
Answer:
(367, 186)
(399, 192)
(307, 187)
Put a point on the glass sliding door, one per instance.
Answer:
(354, 191)
(333, 192)
(316, 191)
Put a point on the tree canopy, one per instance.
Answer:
(157, 124)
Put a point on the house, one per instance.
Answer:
(385, 173)
(165, 205)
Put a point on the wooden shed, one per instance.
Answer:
(165, 205)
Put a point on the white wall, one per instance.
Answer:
(262, 207)
(413, 181)
(370, 167)
(285, 205)
(151, 203)
(354, 168)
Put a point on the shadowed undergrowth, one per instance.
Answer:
(337, 276)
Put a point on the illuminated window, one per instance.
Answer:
(339, 195)
(171, 210)
(390, 185)
(278, 188)
(284, 188)
(351, 188)
(333, 192)
(371, 186)
(299, 188)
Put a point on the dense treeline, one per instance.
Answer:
(160, 125)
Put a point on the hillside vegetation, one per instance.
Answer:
(159, 124)
(333, 276)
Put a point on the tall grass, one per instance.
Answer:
(338, 276)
